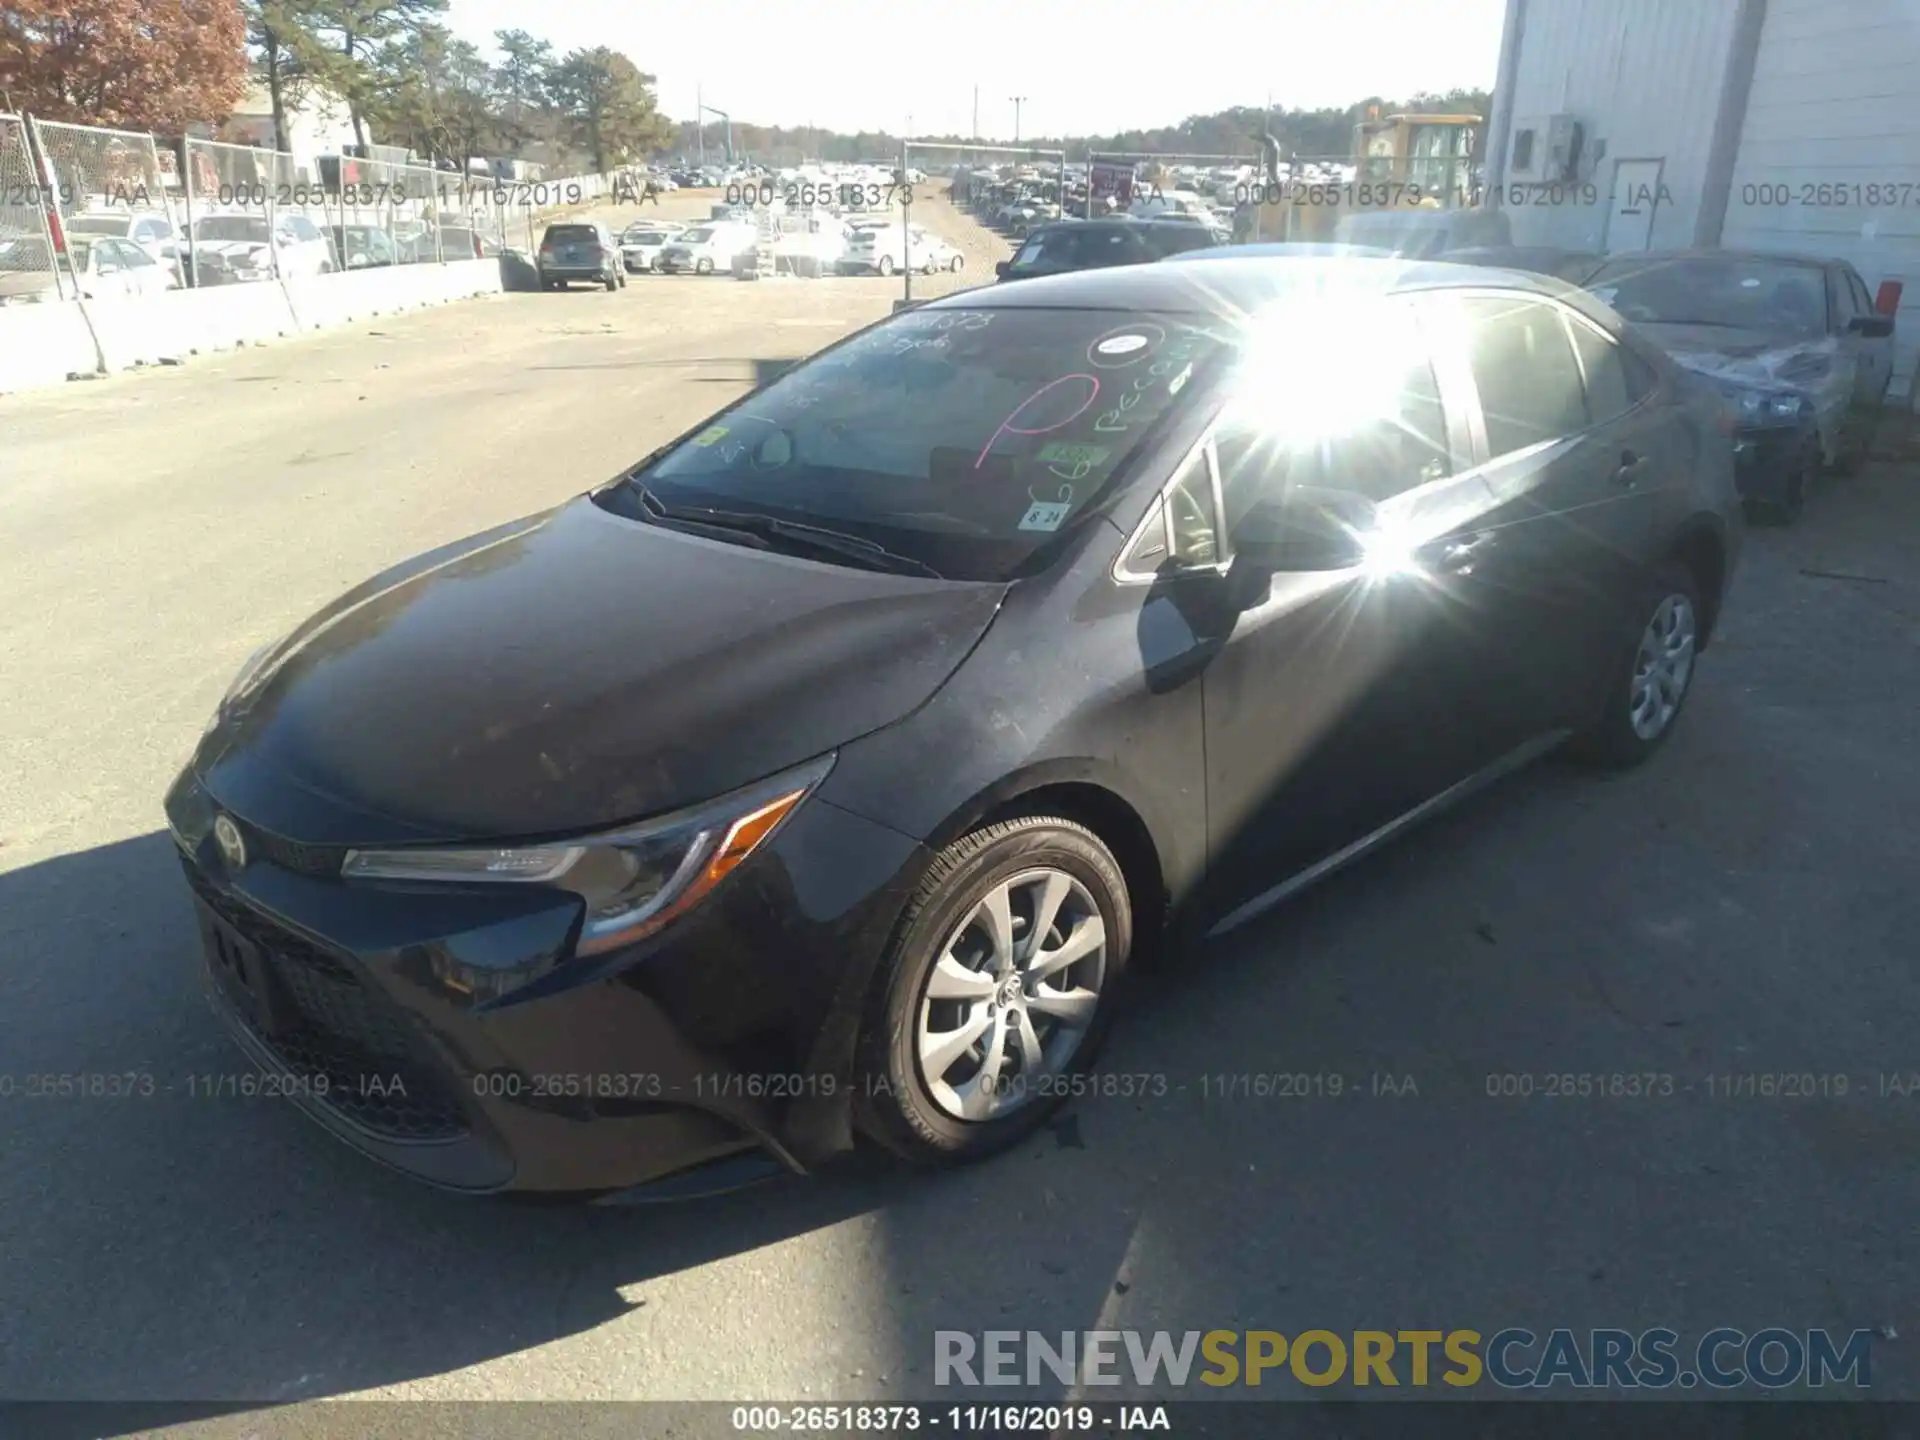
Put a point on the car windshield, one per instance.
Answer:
(966, 439)
(698, 237)
(230, 227)
(1779, 297)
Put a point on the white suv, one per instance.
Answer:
(881, 250)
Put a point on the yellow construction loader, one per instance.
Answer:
(1399, 164)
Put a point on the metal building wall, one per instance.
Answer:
(1829, 159)
(1645, 78)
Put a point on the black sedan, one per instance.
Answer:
(823, 774)
(1069, 245)
(1793, 343)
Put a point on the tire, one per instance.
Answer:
(1792, 502)
(612, 283)
(957, 264)
(1614, 741)
(885, 267)
(930, 268)
(896, 1105)
(703, 267)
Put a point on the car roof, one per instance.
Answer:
(1285, 249)
(1790, 256)
(1234, 285)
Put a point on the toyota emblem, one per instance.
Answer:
(233, 845)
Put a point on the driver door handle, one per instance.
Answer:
(1632, 465)
(1460, 553)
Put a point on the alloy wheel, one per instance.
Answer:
(1011, 997)
(1662, 667)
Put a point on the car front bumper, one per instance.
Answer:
(448, 1031)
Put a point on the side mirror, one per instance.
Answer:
(1305, 529)
(1000, 269)
(1873, 327)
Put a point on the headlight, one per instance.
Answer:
(250, 671)
(634, 881)
(1753, 408)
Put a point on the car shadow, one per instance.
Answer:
(170, 1241)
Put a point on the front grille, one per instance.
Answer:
(341, 1028)
(323, 861)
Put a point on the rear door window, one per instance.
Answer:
(1525, 369)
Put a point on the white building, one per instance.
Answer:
(1792, 125)
(317, 124)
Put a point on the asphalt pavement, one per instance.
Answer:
(1743, 906)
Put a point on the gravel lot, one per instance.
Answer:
(1745, 904)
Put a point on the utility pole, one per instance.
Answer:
(976, 114)
(700, 123)
(1018, 101)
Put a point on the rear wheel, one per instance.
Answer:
(612, 283)
(957, 264)
(1652, 676)
(998, 987)
(1791, 503)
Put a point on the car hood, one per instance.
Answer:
(226, 247)
(1746, 356)
(572, 671)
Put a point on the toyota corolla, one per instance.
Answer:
(821, 775)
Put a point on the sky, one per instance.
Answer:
(849, 65)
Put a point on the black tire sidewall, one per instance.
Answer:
(895, 1105)
(1613, 742)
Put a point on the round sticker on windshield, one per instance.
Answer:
(1126, 346)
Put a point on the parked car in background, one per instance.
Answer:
(693, 777)
(579, 250)
(231, 248)
(705, 249)
(1792, 343)
(1068, 245)
(362, 246)
(640, 247)
(104, 268)
(1573, 266)
(883, 249)
(153, 233)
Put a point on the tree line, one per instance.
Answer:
(405, 79)
(401, 75)
(1320, 133)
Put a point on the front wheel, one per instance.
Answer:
(703, 267)
(995, 993)
(1652, 676)
(886, 266)
(957, 264)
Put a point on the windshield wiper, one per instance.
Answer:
(766, 528)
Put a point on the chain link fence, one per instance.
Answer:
(27, 269)
(116, 185)
(965, 203)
